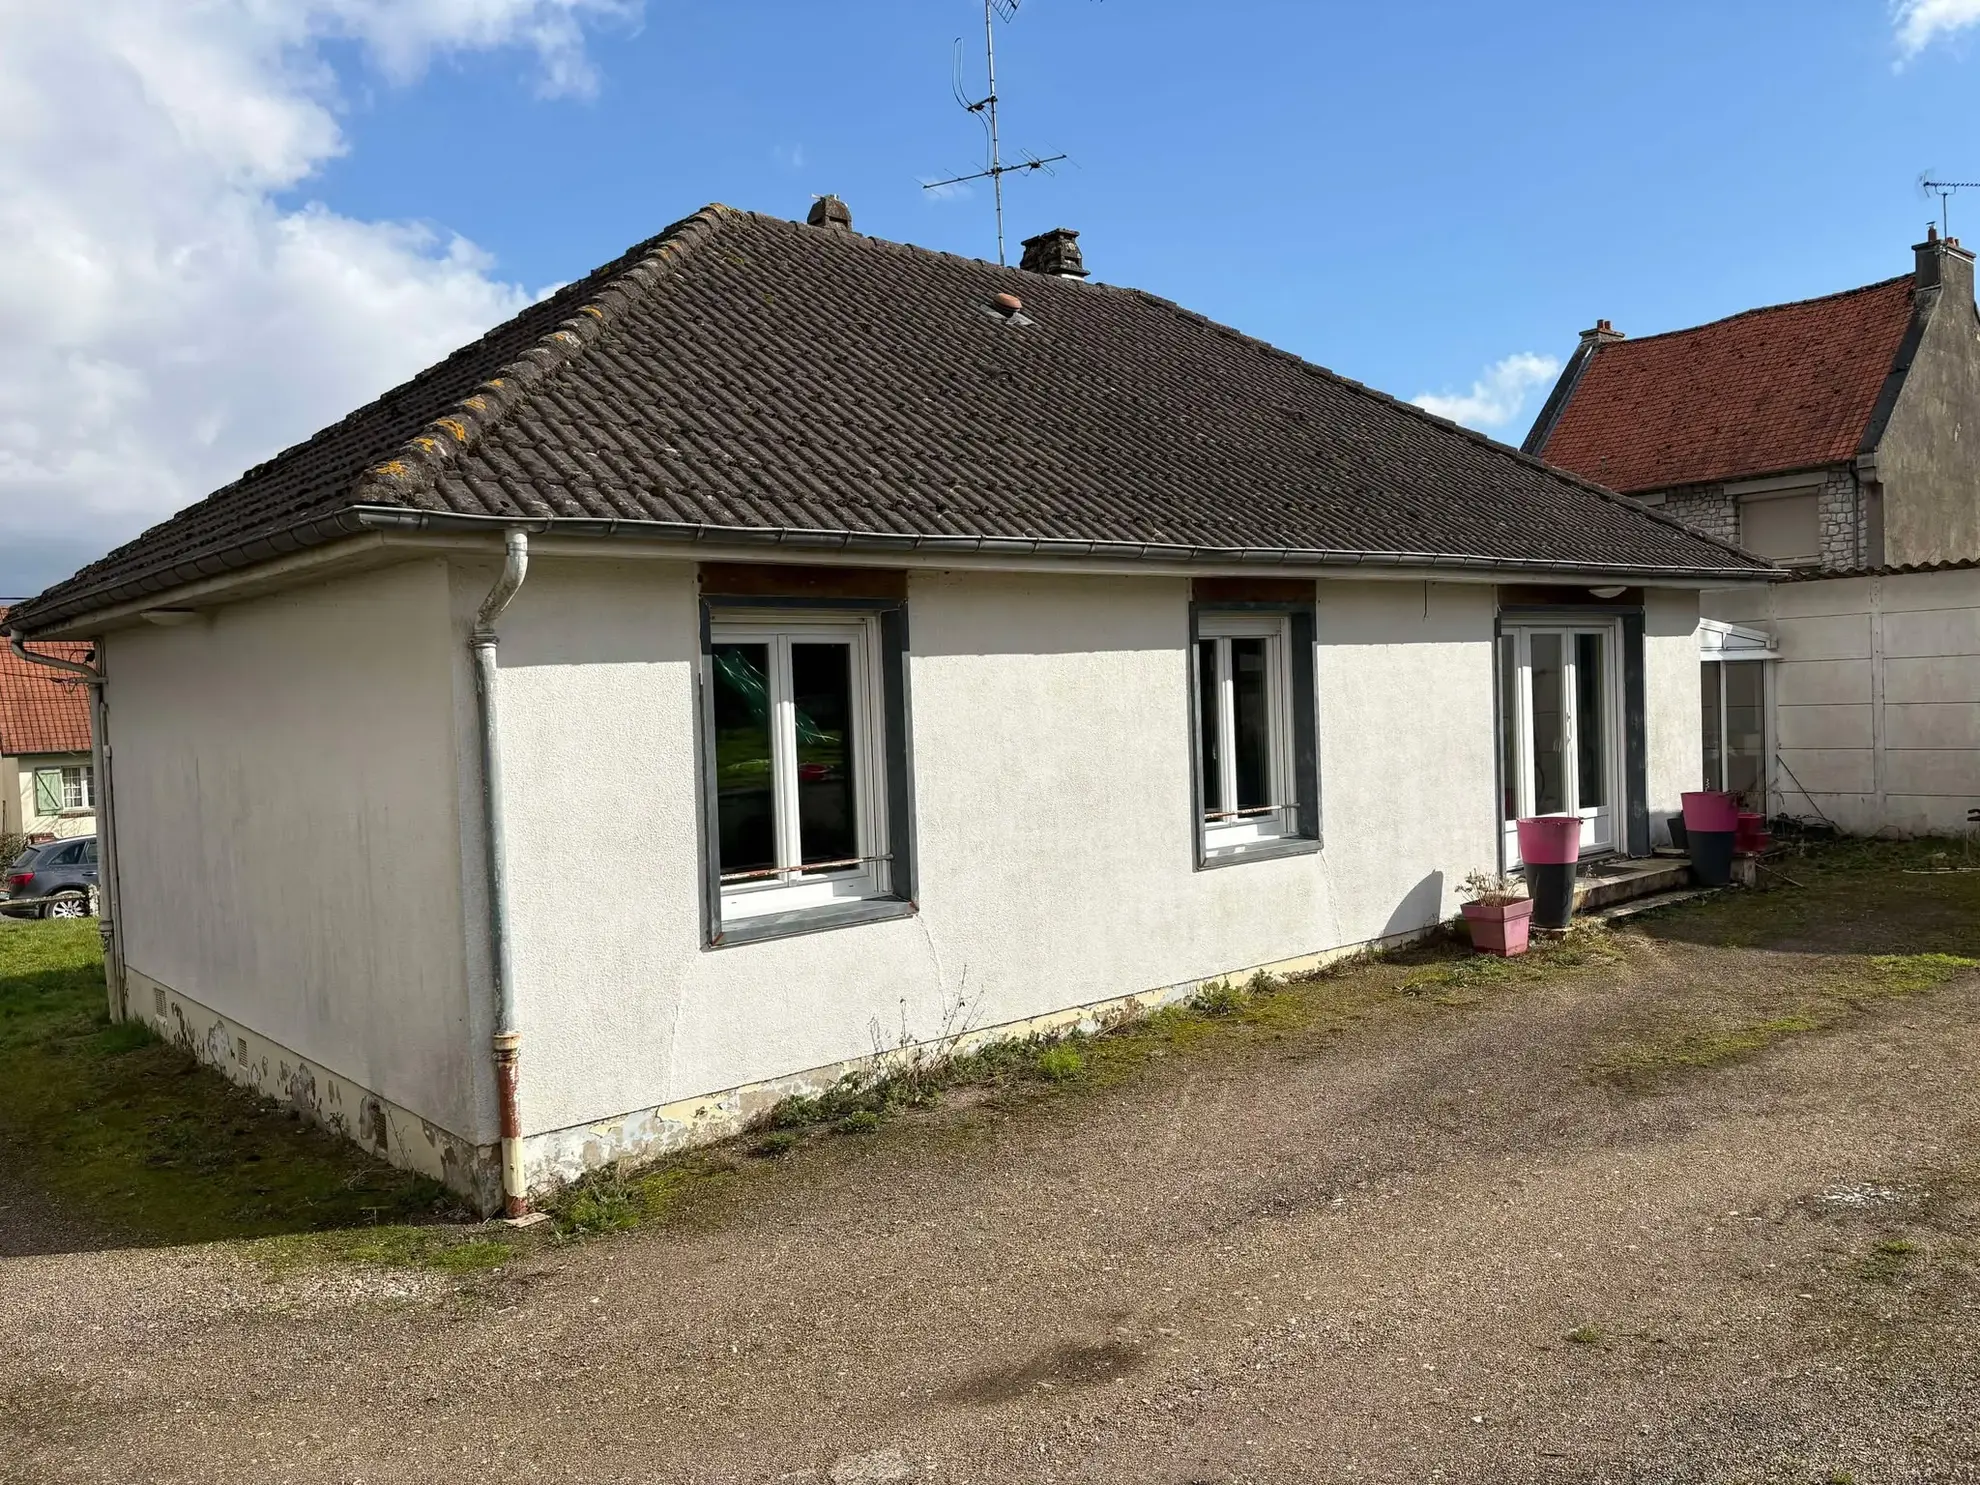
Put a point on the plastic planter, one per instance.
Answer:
(1550, 847)
(1711, 825)
(1499, 928)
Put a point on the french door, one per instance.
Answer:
(1559, 729)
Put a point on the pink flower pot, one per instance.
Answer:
(1499, 928)
(1711, 811)
(1550, 840)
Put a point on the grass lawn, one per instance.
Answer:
(139, 1143)
(143, 1145)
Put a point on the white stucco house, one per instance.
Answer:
(780, 637)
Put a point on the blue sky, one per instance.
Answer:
(1404, 193)
(288, 205)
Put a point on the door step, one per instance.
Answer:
(1624, 881)
(1635, 905)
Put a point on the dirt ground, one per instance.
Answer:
(1703, 1209)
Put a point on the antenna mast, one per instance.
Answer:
(1946, 189)
(986, 108)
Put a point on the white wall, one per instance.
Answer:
(1672, 705)
(289, 834)
(1049, 725)
(1876, 697)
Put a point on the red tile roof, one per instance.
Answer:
(1772, 390)
(42, 710)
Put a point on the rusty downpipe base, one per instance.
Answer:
(508, 1060)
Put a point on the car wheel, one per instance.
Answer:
(66, 905)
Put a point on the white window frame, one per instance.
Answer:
(78, 787)
(1724, 658)
(1615, 770)
(74, 786)
(789, 886)
(1233, 834)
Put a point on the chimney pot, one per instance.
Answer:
(1055, 254)
(1603, 334)
(830, 212)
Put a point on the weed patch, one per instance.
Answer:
(1060, 1063)
(1887, 1262)
(1700, 1048)
(393, 1246)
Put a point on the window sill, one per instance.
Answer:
(1292, 845)
(810, 920)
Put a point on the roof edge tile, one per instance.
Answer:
(411, 469)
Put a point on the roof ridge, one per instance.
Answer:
(1506, 450)
(421, 459)
(1760, 309)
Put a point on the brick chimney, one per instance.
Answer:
(1055, 253)
(831, 212)
(1943, 263)
(1603, 334)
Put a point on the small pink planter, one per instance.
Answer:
(1499, 928)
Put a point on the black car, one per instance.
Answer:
(61, 871)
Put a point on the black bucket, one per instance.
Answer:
(1551, 886)
(1711, 858)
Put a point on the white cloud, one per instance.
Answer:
(1922, 22)
(1498, 396)
(169, 321)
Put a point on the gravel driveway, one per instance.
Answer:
(1439, 1244)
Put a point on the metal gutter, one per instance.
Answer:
(108, 927)
(507, 1041)
(395, 518)
(360, 519)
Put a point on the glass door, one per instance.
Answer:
(1559, 726)
(1733, 708)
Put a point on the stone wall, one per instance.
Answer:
(1840, 512)
(1708, 509)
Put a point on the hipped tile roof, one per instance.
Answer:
(1770, 391)
(743, 377)
(42, 710)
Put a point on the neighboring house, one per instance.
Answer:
(1836, 432)
(47, 785)
(890, 645)
(1851, 699)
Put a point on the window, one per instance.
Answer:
(806, 776)
(64, 790)
(1733, 694)
(1781, 528)
(1252, 688)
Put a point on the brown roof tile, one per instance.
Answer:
(743, 377)
(42, 710)
(1772, 390)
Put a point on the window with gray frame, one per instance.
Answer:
(1255, 774)
(806, 804)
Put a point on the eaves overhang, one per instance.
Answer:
(71, 614)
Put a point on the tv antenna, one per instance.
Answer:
(985, 108)
(1946, 190)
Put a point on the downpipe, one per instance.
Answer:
(507, 1044)
(106, 832)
